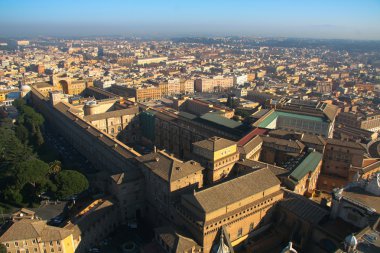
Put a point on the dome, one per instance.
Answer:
(289, 249)
(91, 103)
(25, 88)
(373, 185)
(221, 247)
(374, 149)
(351, 241)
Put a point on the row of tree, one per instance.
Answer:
(29, 124)
(23, 176)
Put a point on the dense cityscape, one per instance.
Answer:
(202, 127)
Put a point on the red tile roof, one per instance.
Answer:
(250, 135)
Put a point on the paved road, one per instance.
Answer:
(49, 211)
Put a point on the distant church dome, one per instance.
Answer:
(351, 241)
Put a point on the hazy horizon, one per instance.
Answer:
(354, 20)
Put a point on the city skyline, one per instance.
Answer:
(358, 20)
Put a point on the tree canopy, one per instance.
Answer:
(29, 124)
(69, 183)
(232, 101)
(3, 249)
(23, 176)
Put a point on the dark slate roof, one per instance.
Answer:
(302, 207)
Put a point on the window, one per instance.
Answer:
(16, 243)
(240, 232)
(112, 130)
(251, 226)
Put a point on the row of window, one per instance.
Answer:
(36, 250)
(230, 159)
(25, 243)
(239, 214)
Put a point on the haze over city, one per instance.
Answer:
(359, 20)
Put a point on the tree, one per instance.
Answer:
(38, 138)
(31, 120)
(55, 167)
(12, 151)
(22, 133)
(69, 183)
(12, 195)
(3, 249)
(232, 101)
(33, 172)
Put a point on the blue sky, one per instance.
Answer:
(348, 19)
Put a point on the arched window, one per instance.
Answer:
(112, 131)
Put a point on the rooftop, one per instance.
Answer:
(362, 197)
(214, 143)
(308, 164)
(303, 207)
(167, 167)
(232, 191)
(30, 229)
(175, 241)
(220, 120)
(274, 115)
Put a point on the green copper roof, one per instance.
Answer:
(220, 120)
(275, 114)
(308, 164)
